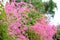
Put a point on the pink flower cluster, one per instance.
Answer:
(15, 12)
(16, 27)
(45, 30)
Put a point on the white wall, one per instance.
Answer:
(4, 2)
(56, 20)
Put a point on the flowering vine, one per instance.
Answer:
(25, 23)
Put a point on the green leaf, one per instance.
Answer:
(32, 35)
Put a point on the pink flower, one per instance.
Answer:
(25, 28)
(44, 30)
(21, 36)
(17, 39)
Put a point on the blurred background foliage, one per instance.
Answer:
(42, 7)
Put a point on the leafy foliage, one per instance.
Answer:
(49, 6)
(58, 31)
(54, 37)
(34, 16)
(3, 32)
(32, 35)
(2, 12)
(43, 7)
(3, 26)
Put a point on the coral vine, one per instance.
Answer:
(19, 14)
(45, 30)
(15, 12)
